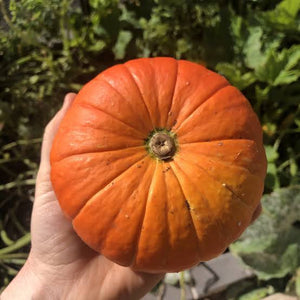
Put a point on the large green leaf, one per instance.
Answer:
(271, 246)
(280, 67)
(285, 15)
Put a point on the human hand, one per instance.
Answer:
(60, 265)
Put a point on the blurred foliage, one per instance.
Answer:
(266, 67)
(271, 246)
(48, 48)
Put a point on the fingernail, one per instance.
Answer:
(67, 101)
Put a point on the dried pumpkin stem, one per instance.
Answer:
(162, 145)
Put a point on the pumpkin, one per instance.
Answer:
(159, 163)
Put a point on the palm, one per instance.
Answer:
(64, 257)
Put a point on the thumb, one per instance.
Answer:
(49, 134)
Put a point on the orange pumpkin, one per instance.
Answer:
(159, 163)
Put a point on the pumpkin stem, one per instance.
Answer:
(162, 145)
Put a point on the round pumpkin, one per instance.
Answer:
(159, 163)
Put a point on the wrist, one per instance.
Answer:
(29, 283)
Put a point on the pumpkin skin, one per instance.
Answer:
(153, 214)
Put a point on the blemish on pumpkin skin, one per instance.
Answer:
(237, 155)
(170, 113)
(187, 205)
(126, 216)
(220, 144)
(138, 166)
(166, 170)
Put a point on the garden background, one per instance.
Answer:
(49, 48)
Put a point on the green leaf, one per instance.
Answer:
(129, 17)
(235, 76)
(284, 16)
(269, 70)
(252, 49)
(293, 57)
(33, 79)
(272, 180)
(258, 294)
(238, 288)
(123, 40)
(297, 282)
(271, 153)
(97, 46)
(289, 8)
(183, 46)
(271, 246)
(287, 77)
(278, 67)
(261, 95)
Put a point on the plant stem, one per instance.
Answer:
(20, 142)
(4, 237)
(64, 26)
(10, 271)
(182, 286)
(18, 244)
(16, 221)
(15, 261)
(5, 15)
(13, 256)
(14, 184)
